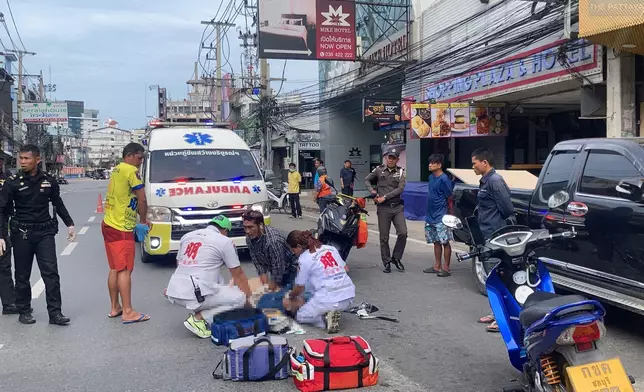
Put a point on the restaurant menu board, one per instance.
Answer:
(421, 119)
(441, 120)
(479, 120)
(460, 119)
(498, 119)
(380, 110)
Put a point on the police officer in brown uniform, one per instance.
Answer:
(390, 182)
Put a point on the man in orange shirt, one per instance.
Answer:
(125, 196)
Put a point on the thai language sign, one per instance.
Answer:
(44, 112)
(380, 110)
(307, 29)
(539, 65)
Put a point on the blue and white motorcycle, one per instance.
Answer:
(554, 340)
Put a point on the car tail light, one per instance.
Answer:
(238, 207)
(582, 334)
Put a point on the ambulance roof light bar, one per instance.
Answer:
(165, 124)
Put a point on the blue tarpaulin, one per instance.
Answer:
(415, 197)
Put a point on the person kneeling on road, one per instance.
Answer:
(197, 284)
(322, 272)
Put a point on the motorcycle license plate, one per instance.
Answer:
(608, 375)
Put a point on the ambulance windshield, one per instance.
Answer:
(202, 166)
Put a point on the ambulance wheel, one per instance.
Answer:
(145, 257)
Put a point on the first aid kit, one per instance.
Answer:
(343, 362)
(237, 323)
(255, 359)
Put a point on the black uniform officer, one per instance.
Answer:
(28, 193)
(390, 182)
(7, 289)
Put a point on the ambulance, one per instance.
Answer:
(193, 172)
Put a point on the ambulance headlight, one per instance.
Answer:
(159, 214)
(155, 242)
(261, 207)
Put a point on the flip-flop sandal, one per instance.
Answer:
(119, 314)
(444, 274)
(486, 320)
(431, 270)
(139, 320)
(492, 328)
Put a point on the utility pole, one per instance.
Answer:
(265, 108)
(21, 54)
(218, 81)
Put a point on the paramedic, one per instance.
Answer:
(197, 283)
(273, 260)
(322, 272)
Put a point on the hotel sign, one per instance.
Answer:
(391, 48)
(539, 66)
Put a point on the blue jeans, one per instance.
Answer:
(274, 300)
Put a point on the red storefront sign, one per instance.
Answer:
(336, 30)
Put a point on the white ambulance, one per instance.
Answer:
(193, 173)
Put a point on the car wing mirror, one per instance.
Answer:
(630, 189)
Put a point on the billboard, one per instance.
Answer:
(307, 29)
(44, 112)
(380, 110)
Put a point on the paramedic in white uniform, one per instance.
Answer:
(201, 254)
(323, 273)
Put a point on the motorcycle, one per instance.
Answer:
(338, 224)
(61, 180)
(279, 198)
(554, 340)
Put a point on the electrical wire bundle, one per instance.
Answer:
(510, 35)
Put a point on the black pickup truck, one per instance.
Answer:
(605, 181)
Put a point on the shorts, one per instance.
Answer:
(438, 233)
(119, 246)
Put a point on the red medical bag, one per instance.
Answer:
(343, 362)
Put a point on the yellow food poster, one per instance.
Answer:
(479, 120)
(460, 119)
(420, 119)
(441, 120)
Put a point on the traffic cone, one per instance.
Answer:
(99, 206)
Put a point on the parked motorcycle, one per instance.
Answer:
(61, 180)
(338, 223)
(554, 340)
(279, 198)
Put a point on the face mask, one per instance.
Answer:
(291, 170)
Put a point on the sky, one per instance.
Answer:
(105, 52)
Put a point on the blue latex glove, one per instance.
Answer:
(141, 231)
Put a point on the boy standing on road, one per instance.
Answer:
(125, 196)
(347, 178)
(294, 180)
(440, 189)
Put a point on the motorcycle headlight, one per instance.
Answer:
(262, 207)
(159, 214)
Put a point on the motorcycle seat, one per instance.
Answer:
(539, 303)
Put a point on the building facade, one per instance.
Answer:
(105, 145)
(75, 110)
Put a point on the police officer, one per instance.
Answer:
(28, 194)
(7, 289)
(390, 182)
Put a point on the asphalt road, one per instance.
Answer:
(437, 346)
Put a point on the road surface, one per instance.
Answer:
(437, 346)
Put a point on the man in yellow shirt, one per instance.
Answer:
(125, 197)
(294, 180)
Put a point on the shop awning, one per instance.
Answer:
(617, 24)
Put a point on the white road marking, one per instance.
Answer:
(69, 249)
(83, 230)
(91, 219)
(1, 346)
(38, 288)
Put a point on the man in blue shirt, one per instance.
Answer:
(440, 189)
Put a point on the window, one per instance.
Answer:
(557, 173)
(604, 170)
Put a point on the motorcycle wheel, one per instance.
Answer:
(480, 272)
